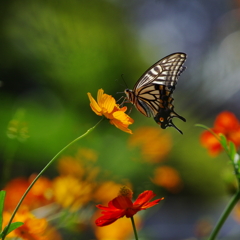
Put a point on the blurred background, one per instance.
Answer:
(54, 52)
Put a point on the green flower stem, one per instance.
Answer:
(224, 215)
(134, 228)
(44, 169)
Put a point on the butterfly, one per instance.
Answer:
(152, 93)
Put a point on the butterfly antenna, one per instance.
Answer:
(124, 81)
(123, 85)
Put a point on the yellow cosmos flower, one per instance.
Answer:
(76, 193)
(106, 106)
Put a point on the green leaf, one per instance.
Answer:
(12, 227)
(2, 198)
(223, 142)
(232, 150)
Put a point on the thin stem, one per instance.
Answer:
(134, 228)
(43, 170)
(224, 215)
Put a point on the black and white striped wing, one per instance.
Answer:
(164, 72)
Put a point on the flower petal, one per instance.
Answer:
(94, 105)
(123, 117)
(151, 204)
(122, 202)
(120, 125)
(144, 197)
(99, 96)
(109, 218)
(104, 208)
(109, 103)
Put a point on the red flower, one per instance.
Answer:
(123, 206)
(227, 124)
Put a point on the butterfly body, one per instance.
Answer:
(152, 94)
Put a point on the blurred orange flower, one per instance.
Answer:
(106, 106)
(82, 166)
(168, 178)
(32, 229)
(154, 143)
(68, 165)
(227, 124)
(236, 212)
(72, 193)
(87, 154)
(40, 194)
(123, 206)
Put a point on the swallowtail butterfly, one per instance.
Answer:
(152, 94)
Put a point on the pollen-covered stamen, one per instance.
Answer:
(126, 192)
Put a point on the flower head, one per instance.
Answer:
(106, 106)
(148, 139)
(76, 193)
(123, 206)
(33, 228)
(227, 124)
(168, 178)
(41, 193)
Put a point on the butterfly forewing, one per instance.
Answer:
(166, 71)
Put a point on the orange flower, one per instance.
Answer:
(168, 178)
(123, 206)
(40, 194)
(106, 106)
(68, 165)
(148, 139)
(32, 229)
(227, 124)
(72, 193)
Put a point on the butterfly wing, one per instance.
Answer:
(165, 72)
(152, 94)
